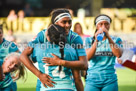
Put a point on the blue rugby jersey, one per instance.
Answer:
(72, 38)
(7, 47)
(63, 79)
(101, 66)
(7, 81)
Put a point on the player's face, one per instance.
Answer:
(103, 24)
(11, 64)
(78, 29)
(65, 22)
(1, 34)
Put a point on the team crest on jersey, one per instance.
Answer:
(5, 44)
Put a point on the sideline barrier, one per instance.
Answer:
(36, 24)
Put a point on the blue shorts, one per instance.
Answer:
(108, 87)
(38, 89)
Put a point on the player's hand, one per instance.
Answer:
(52, 61)
(119, 60)
(46, 80)
(28, 51)
(105, 31)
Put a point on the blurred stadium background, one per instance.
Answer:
(36, 18)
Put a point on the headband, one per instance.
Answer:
(60, 16)
(102, 18)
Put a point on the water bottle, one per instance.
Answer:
(100, 36)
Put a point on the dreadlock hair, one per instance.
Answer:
(95, 24)
(56, 12)
(57, 35)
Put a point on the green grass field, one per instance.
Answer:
(126, 81)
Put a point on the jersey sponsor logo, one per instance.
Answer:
(104, 54)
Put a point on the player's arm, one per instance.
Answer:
(44, 78)
(70, 64)
(77, 79)
(78, 64)
(1, 74)
(82, 58)
(91, 45)
(119, 60)
(81, 63)
(91, 51)
(114, 47)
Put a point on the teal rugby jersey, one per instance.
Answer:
(101, 66)
(72, 38)
(63, 79)
(7, 47)
(7, 81)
